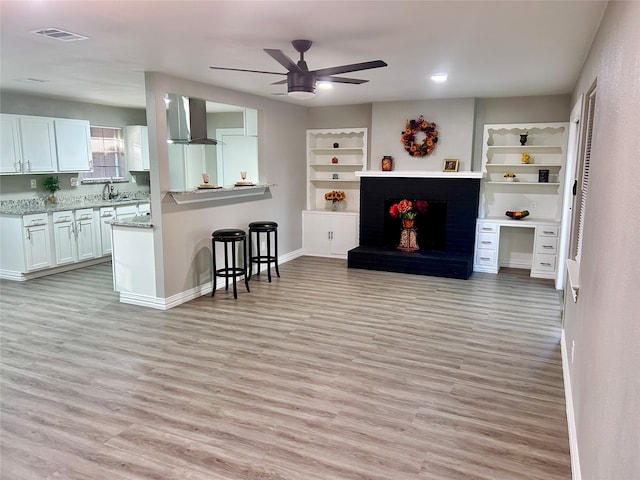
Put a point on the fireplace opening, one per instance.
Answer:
(431, 227)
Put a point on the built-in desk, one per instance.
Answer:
(539, 253)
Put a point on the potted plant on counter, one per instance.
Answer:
(51, 185)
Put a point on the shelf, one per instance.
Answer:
(351, 165)
(213, 195)
(524, 165)
(329, 150)
(526, 183)
(521, 148)
(353, 180)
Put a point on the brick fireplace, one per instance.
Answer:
(446, 233)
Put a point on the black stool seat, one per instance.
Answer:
(231, 269)
(271, 256)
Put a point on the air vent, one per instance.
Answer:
(58, 34)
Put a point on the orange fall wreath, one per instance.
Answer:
(412, 128)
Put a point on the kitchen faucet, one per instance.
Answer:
(112, 193)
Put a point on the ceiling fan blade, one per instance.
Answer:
(250, 71)
(283, 60)
(329, 78)
(354, 67)
(280, 82)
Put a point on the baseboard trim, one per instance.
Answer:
(191, 294)
(17, 276)
(571, 420)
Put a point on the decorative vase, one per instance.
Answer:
(523, 139)
(52, 198)
(334, 160)
(387, 163)
(408, 236)
(336, 145)
(508, 179)
(334, 206)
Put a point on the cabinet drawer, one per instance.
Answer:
(545, 262)
(548, 245)
(547, 231)
(487, 228)
(486, 257)
(62, 217)
(487, 240)
(34, 220)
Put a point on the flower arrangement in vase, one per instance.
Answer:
(51, 185)
(510, 177)
(335, 197)
(407, 211)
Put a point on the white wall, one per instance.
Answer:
(605, 322)
(182, 237)
(453, 119)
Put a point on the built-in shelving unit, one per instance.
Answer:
(533, 242)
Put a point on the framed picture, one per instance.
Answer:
(450, 165)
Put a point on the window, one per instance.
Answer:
(583, 181)
(107, 146)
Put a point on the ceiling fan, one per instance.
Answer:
(301, 82)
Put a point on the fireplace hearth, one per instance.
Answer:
(446, 233)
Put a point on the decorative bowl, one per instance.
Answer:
(519, 215)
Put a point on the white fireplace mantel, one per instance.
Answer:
(417, 174)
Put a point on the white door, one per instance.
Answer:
(64, 241)
(37, 246)
(85, 234)
(344, 233)
(106, 213)
(316, 236)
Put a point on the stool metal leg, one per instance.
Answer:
(215, 275)
(244, 264)
(250, 256)
(233, 266)
(275, 258)
(268, 256)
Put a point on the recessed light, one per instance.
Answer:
(324, 85)
(439, 77)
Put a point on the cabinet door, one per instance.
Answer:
(10, 154)
(316, 234)
(85, 234)
(344, 233)
(37, 242)
(106, 214)
(38, 144)
(73, 145)
(137, 148)
(64, 241)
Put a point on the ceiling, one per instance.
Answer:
(488, 49)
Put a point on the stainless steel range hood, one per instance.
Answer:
(187, 120)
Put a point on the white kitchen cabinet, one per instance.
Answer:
(137, 148)
(144, 208)
(126, 211)
(38, 143)
(10, 153)
(86, 234)
(37, 243)
(106, 214)
(64, 240)
(73, 145)
(329, 234)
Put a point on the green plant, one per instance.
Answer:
(51, 185)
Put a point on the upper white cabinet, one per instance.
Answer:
(137, 148)
(502, 152)
(44, 145)
(333, 157)
(10, 153)
(73, 145)
(38, 142)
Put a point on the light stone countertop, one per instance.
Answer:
(140, 221)
(27, 208)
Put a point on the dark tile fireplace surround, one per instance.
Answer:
(446, 234)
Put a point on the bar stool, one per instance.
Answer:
(267, 228)
(230, 236)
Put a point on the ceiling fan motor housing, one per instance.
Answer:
(301, 82)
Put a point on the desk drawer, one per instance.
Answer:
(544, 262)
(547, 245)
(487, 228)
(487, 240)
(547, 231)
(486, 257)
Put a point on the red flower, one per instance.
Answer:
(404, 206)
(393, 211)
(421, 206)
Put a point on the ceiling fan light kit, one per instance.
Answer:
(301, 82)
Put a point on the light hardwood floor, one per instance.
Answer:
(326, 373)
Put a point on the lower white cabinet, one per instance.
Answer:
(64, 241)
(329, 234)
(86, 234)
(487, 242)
(105, 215)
(37, 243)
(545, 257)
